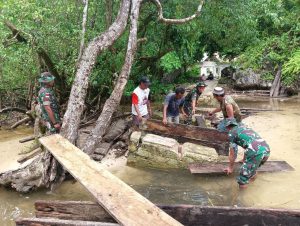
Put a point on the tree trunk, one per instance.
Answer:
(114, 100)
(45, 171)
(75, 108)
(276, 84)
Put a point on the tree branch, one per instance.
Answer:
(75, 108)
(84, 19)
(40, 51)
(16, 32)
(176, 21)
(113, 101)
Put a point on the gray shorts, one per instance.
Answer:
(173, 119)
(136, 121)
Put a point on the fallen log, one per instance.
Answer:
(57, 222)
(20, 122)
(188, 215)
(26, 139)
(30, 156)
(194, 134)
(218, 168)
(9, 109)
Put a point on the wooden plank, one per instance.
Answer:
(188, 215)
(194, 134)
(122, 202)
(217, 168)
(58, 222)
(72, 210)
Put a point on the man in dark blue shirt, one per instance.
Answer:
(173, 102)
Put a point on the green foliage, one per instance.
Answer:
(291, 69)
(279, 27)
(268, 76)
(157, 89)
(263, 33)
(170, 62)
(194, 71)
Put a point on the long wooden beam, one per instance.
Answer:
(218, 168)
(188, 215)
(194, 134)
(58, 222)
(122, 202)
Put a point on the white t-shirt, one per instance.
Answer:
(140, 97)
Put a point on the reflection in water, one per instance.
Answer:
(281, 129)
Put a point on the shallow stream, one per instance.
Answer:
(280, 128)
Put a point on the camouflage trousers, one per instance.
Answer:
(254, 158)
(189, 111)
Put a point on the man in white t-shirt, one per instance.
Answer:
(140, 102)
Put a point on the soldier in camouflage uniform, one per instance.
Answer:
(229, 108)
(190, 100)
(257, 151)
(48, 104)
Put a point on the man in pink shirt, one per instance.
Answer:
(140, 102)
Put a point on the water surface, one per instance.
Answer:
(280, 128)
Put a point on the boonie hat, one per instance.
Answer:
(218, 91)
(201, 84)
(46, 77)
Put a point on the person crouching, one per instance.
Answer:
(257, 151)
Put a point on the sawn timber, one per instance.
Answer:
(188, 215)
(193, 134)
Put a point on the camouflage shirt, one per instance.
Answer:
(193, 95)
(236, 110)
(46, 97)
(247, 138)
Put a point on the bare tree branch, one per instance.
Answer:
(19, 35)
(176, 21)
(113, 101)
(84, 19)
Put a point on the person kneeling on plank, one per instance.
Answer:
(257, 151)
